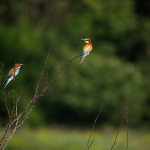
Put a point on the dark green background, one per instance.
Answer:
(120, 34)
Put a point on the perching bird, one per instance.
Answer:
(86, 49)
(12, 73)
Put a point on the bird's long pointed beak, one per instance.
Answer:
(21, 64)
(83, 39)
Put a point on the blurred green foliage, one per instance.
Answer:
(58, 138)
(120, 34)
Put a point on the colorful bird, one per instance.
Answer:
(12, 73)
(86, 49)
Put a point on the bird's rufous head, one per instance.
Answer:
(18, 65)
(87, 40)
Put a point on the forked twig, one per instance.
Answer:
(91, 143)
(87, 147)
(17, 119)
(117, 133)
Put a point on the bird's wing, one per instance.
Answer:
(11, 72)
(87, 48)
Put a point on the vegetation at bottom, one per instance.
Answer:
(65, 138)
(119, 31)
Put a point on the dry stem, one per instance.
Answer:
(92, 133)
(125, 115)
(16, 119)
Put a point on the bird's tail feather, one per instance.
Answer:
(81, 60)
(83, 56)
(5, 80)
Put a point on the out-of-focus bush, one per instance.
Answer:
(119, 61)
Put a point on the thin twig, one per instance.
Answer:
(60, 72)
(46, 77)
(126, 118)
(7, 129)
(38, 82)
(7, 100)
(1, 72)
(92, 131)
(118, 133)
(7, 107)
(19, 100)
(91, 143)
(125, 115)
(12, 113)
(3, 130)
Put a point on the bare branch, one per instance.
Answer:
(16, 119)
(91, 144)
(117, 133)
(92, 131)
(38, 82)
(126, 118)
(1, 72)
(59, 73)
(125, 115)
(18, 99)
(3, 130)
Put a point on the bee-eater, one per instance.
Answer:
(86, 49)
(12, 73)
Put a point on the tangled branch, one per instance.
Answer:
(16, 119)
